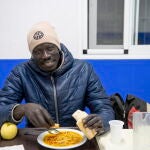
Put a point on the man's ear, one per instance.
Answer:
(61, 54)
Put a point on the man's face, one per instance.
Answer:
(46, 56)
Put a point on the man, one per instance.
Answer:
(54, 85)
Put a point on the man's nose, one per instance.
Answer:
(45, 54)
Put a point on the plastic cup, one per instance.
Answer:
(116, 128)
(141, 130)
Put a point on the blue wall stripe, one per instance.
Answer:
(123, 76)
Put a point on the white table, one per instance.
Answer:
(126, 143)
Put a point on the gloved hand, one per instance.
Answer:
(36, 114)
(94, 121)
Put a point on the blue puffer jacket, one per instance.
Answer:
(72, 86)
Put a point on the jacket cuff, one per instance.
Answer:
(12, 115)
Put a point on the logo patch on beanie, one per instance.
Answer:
(38, 35)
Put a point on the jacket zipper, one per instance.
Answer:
(55, 99)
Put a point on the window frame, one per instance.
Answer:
(128, 51)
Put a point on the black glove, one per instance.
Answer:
(94, 121)
(35, 113)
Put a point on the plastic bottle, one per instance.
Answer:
(79, 116)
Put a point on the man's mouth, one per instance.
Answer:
(46, 60)
(50, 61)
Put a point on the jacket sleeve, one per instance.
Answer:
(97, 99)
(10, 95)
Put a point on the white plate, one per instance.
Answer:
(42, 135)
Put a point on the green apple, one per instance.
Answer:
(8, 130)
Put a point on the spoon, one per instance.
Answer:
(38, 131)
(53, 131)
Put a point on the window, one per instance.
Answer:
(118, 27)
(142, 22)
(107, 31)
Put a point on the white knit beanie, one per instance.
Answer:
(40, 33)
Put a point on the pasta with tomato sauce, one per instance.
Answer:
(64, 138)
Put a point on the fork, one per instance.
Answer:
(53, 131)
(38, 131)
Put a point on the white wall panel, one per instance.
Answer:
(17, 16)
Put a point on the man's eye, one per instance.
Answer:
(37, 52)
(50, 49)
